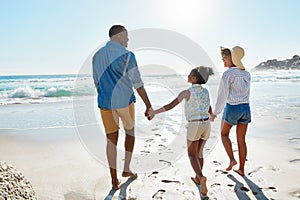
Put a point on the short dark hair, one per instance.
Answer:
(202, 73)
(116, 29)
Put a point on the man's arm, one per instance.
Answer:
(143, 94)
(95, 74)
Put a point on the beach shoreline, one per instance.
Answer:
(60, 167)
(59, 146)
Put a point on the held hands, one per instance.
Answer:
(149, 113)
(212, 117)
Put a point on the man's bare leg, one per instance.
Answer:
(111, 152)
(129, 145)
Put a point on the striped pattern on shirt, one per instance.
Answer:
(234, 88)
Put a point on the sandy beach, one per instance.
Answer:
(59, 167)
(58, 144)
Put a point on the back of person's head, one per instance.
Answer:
(116, 29)
(202, 73)
(225, 51)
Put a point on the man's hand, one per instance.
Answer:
(147, 114)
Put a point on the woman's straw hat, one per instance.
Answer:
(237, 53)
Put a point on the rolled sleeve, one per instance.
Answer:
(134, 73)
(95, 74)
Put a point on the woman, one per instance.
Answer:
(234, 91)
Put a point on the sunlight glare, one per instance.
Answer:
(183, 13)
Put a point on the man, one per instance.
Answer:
(115, 74)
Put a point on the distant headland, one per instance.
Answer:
(274, 64)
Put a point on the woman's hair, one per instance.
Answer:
(225, 51)
(202, 73)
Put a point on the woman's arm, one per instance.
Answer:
(223, 93)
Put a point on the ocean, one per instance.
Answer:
(61, 104)
(45, 101)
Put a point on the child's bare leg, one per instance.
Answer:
(200, 152)
(203, 185)
(193, 156)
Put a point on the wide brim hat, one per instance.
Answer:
(237, 53)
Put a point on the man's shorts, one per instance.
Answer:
(110, 118)
(198, 130)
(237, 114)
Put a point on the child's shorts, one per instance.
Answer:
(198, 130)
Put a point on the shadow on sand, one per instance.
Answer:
(240, 190)
(259, 195)
(123, 188)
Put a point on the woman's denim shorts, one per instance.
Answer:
(237, 114)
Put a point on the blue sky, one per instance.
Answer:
(53, 37)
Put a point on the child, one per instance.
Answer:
(197, 113)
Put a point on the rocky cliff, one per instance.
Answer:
(293, 63)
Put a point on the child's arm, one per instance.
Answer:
(210, 111)
(212, 115)
(183, 95)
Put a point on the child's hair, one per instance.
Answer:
(202, 73)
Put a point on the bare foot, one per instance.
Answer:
(196, 180)
(129, 174)
(231, 164)
(240, 172)
(115, 184)
(203, 185)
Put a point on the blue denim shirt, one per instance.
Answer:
(115, 83)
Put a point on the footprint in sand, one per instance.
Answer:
(270, 188)
(161, 145)
(244, 189)
(273, 168)
(216, 163)
(169, 163)
(169, 181)
(255, 170)
(144, 151)
(294, 140)
(294, 160)
(158, 194)
(221, 171)
(156, 172)
(216, 187)
(295, 193)
(188, 194)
